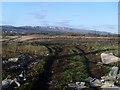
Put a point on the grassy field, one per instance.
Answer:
(57, 60)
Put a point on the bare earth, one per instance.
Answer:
(46, 37)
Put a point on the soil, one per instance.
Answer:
(52, 69)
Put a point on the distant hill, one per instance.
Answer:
(46, 30)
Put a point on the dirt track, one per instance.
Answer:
(52, 69)
(42, 38)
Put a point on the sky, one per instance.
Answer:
(100, 16)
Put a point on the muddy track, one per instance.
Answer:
(90, 61)
(45, 76)
(86, 61)
(52, 69)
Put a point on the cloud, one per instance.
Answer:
(64, 23)
(45, 23)
(108, 28)
(6, 22)
(39, 15)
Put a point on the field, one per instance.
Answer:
(56, 61)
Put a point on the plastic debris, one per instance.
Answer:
(77, 85)
(108, 58)
(113, 72)
(6, 83)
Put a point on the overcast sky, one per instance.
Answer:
(101, 16)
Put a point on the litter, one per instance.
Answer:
(108, 58)
(77, 85)
(6, 83)
(12, 59)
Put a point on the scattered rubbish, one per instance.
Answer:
(113, 74)
(23, 56)
(5, 61)
(10, 60)
(109, 85)
(6, 83)
(94, 82)
(51, 82)
(20, 57)
(47, 54)
(77, 85)
(108, 58)
(106, 81)
(101, 84)
(16, 67)
(21, 78)
(13, 59)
